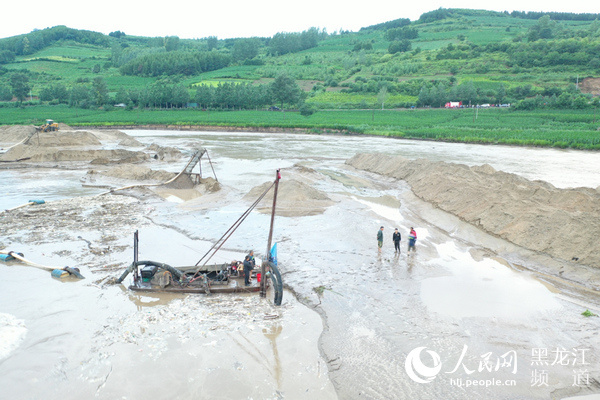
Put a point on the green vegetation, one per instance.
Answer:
(387, 79)
(588, 313)
(319, 290)
(547, 128)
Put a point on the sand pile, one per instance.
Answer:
(564, 223)
(62, 139)
(164, 153)
(15, 133)
(110, 135)
(42, 154)
(130, 142)
(64, 127)
(132, 172)
(294, 199)
(209, 185)
(64, 145)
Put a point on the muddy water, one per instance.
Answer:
(485, 320)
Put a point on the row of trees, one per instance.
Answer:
(284, 43)
(397, 23)
(167, 94)
(401, 33)
(95, 94)
(439, 94)
(564, 16)
(176, 63)
(541, 53)
(84, 95)
(39, 39)
(283, 90)
(523, 97)
(167, 60)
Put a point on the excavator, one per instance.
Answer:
(49, 126)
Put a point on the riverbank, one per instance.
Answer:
(562, 223)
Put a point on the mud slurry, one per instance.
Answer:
(91, 338)
(459, 295)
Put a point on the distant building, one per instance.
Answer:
(453, 104)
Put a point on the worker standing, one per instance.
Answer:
(412, 239)
(248, 267)
(380, 239)
(396, 237)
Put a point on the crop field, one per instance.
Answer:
(113, 81)
(563, 129)
(75, 50)
(239, 72)
(217, 82)
(337, 100)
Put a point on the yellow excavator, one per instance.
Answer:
(49, 126)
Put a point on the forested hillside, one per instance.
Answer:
(528, 60)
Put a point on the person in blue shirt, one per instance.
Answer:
(412, 239)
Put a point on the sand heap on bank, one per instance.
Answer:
(294, 199)
(62, 139)
(111, 135)
(164, 153)
(15, 133)
(564, 223)
(65, 145)
(132, 173)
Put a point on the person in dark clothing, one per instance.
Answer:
(396, 237)
(252, 260)
(380, 239)
(248, 267)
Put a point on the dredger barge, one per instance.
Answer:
(152, 276)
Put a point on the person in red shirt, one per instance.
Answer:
(412, 239)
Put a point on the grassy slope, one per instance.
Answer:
(68, 62)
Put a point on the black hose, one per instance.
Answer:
(126, 272)
(277, 283)
(176, 273)
(74, 271)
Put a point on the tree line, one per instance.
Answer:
(540, 53)
(165, 93)
(176, 63)
(564, 16)
(40, 39)
(521, 97)
(284, 42)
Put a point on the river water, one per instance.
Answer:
(452, 321)
(245, 158)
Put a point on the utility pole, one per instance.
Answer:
(263, 266)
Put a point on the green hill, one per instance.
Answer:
(529, 60)
(448, 54)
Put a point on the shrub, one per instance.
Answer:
(307, 110)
